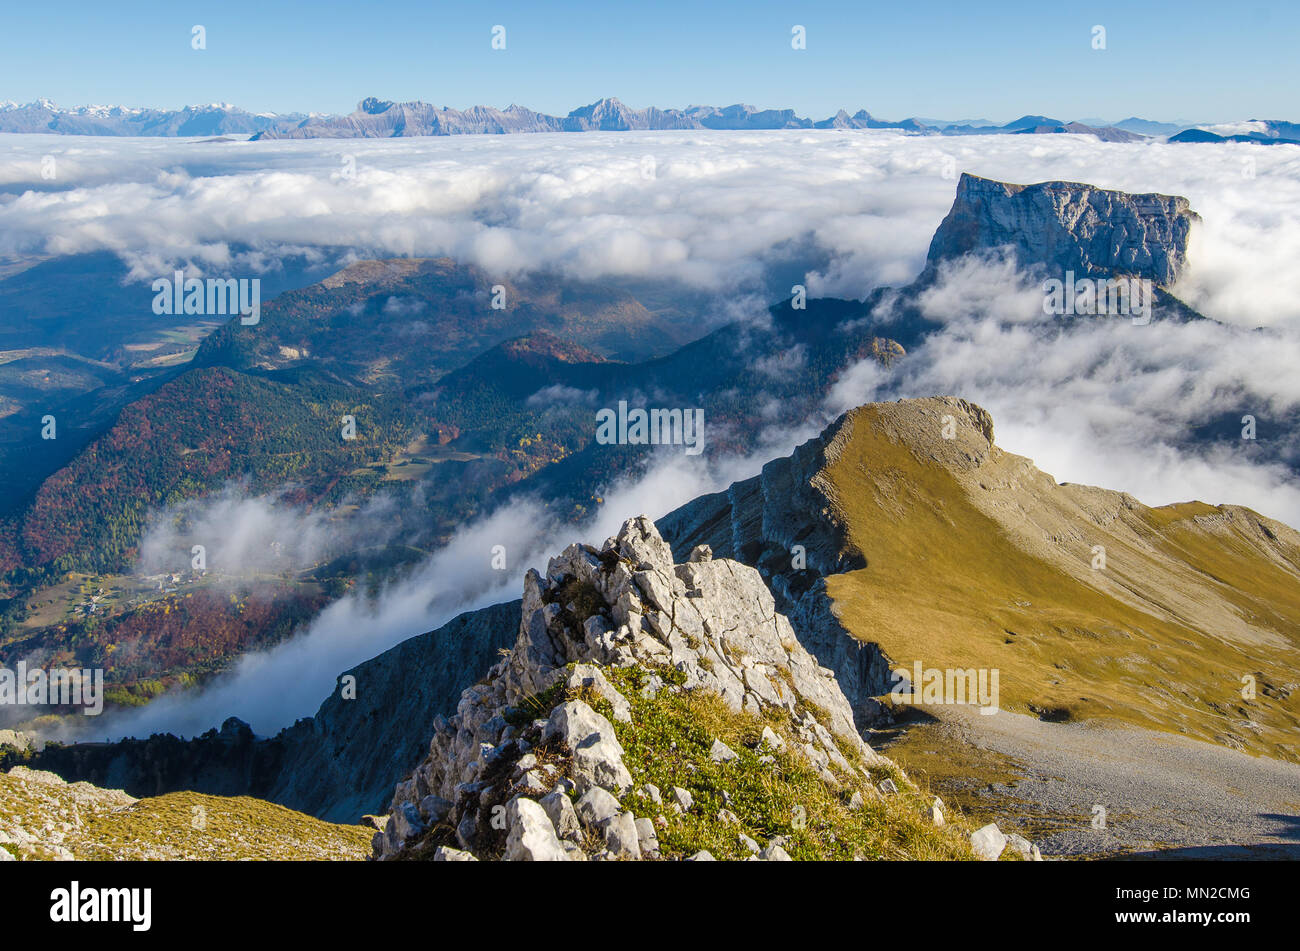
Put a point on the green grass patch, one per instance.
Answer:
(668, 744)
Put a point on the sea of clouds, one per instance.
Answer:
(711, 209)
(1106, 403)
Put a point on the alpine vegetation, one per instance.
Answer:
(652, 710)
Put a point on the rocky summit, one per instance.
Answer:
(1121, 633)
(1067, 226)
(655, 710)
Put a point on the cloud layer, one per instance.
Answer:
(714, 210)
(248, 537)
(1102, 401)
(271, 689)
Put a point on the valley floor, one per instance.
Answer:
(1164, 796)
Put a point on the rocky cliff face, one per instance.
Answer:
(342, 763)
(530, 768)
(1067, 226)
(788, 524)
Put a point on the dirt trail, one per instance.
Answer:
(1165, 796)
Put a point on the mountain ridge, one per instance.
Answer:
(883, 541)
(376, 117)
(1176, 572)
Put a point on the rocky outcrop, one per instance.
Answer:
(1067, 226)
(15, 739)
(520, 772)
(786, 523)
(41, 815)
(342, 763)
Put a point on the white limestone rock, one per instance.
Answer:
(532, 838)
(988, 842)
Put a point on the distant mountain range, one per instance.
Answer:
(212, 119)
(1272, 132)
(382, 118)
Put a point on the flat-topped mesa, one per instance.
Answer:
(1068, 226)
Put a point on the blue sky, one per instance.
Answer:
(1193, 59)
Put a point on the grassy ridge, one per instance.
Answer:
(90, 823)
(949, 586)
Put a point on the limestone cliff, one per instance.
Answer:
(1067, 226)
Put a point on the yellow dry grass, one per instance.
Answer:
(947, 585)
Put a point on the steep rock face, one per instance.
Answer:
(713, 622)
(787, 523)
(342, 763)
(1068, 226)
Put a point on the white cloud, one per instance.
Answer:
(246, 537)
(271, 689)
(784, 364)
(557, 394)
(719, 210)
(403, 306)
(1100, 400)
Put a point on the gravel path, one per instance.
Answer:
(1165, 796)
